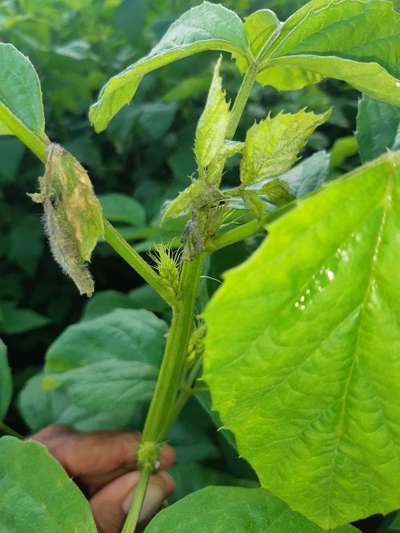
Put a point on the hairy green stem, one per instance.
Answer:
(187, 388)
(159, 416)
(130, 255)
(34, 142)
(9, 431)
(138, 499)
(247, 230)
(236, 234)
(158, 420)
(164, 405)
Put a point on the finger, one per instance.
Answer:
(98, 480)
(98, 452)
(51, 433)
(111, 505)
(96, 458)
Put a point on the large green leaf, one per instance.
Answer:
(108, 364)
(20, 90)
(307, 379)
(236, 509)
(37, 494)
(378, 128)
(5, 381)
(205, 27)
(338, 39)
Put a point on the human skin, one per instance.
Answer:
(104, 465)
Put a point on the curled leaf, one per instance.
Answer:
(211, 131)
(72, 213)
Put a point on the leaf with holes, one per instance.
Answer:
(307, 379)
(5, 381)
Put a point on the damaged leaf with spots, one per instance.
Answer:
(73, 215)
(209, 147)
(272, 145)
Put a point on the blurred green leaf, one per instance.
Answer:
(190, 477)
(343, 148)
(16, 321)
(26, 243)
(29, 474)
(20, 90)
(11, 153)
(233, 509)
(122, 208)
(109, 363)
(40, 407)
(5, 381)
(378, 128)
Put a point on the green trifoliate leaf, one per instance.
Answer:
(37, 494)
(307, 379)
(261, 28)
(205, 27)
(223, 509)
(5, 381)
(272, 145)
(211, 132)
(378, 128)
(338, 39)
(73, 215)
(20, 92)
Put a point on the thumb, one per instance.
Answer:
(111, 504)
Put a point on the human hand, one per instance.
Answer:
(103, 464)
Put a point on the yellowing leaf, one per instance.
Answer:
(73, 215)
(211, 131)
(302, 354)
(273, 144)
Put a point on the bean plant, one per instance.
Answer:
(299, 345)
